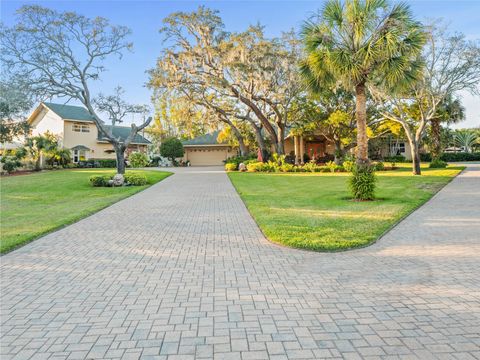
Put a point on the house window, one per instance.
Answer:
(78, 155)
(81, 128)
(397, 148)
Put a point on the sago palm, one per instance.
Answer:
(360, 43)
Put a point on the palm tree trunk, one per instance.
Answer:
(361, 117)
(436, 150)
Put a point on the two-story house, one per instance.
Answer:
(77, 131)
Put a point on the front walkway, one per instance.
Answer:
(181, 271)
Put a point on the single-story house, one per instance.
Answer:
(316, 145)
(206, 150)
(77, 131)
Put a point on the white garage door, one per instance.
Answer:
(204, 157)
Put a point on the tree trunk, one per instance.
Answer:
(415, 159)
(120, 155)
(361, 117)
(241, 142)
(436, 150)
(261, 143)
(38, 162)
(280, 144)
(338, 153)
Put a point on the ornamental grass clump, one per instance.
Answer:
(362, 182)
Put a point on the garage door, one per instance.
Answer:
(204, 157)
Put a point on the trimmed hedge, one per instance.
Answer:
(453, 157)
(98, 163)
(135, 179)
(460, 157)
(130, 179)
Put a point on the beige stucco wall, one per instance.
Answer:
(73, 138)
(47, 120)
(289, 145)
(385, 151)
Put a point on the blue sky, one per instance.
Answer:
(145, 18)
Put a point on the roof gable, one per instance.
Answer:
(70, 112)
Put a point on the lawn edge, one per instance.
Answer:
(77, 219)
(359, 247)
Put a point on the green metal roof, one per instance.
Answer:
(207, 139)
(70, 112)
(122, 132)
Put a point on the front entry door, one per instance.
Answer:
(315, 149)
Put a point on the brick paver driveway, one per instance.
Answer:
(180, 271)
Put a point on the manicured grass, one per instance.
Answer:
(34, 204)
(314, 211)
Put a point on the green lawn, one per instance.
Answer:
(32, 205)
(313, 211)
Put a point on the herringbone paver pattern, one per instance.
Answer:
(181, 271)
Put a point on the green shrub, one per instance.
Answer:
(99, 180)
(332, 166)
(286, 167)
(425, 157)
(437, 164)
(395, 159)
(104, 163)
(10, 163)
(241, 159)
(463, 156)
(138, 159)
(348, 165)
(379, 166)
(362, 182)
(255, 166)
(135, 179)
(311, 166)
(270, 166)
(231, 166)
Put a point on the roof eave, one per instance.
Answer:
(132, 143)
(205, 145)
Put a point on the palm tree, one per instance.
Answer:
(449, 111)
(466, 139)
(362, 43)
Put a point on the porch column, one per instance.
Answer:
(302, 150)
(296, 149)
